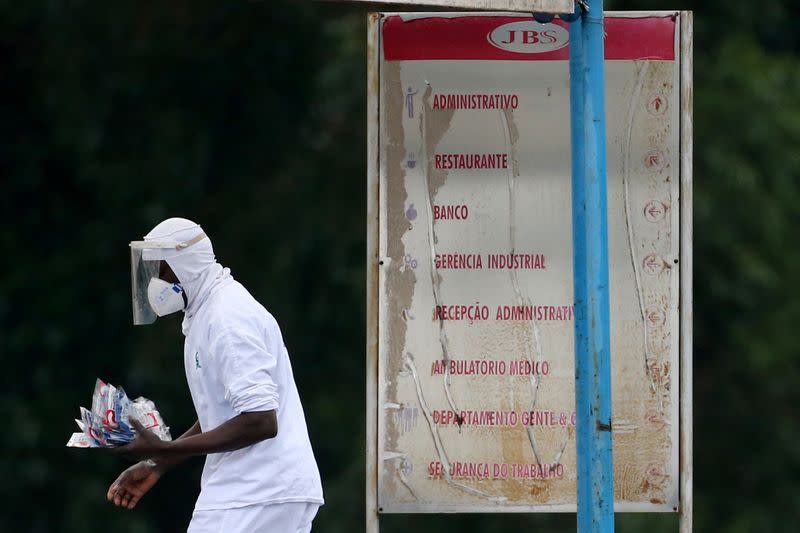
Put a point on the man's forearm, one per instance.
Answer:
(239, 432)
(166, 463)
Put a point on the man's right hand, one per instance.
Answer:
(132, 484)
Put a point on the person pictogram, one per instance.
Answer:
(410, 101)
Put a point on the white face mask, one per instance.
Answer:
(165, 297)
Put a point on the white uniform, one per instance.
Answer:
(236, 362)
(277, 518)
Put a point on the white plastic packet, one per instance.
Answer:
(107, 425)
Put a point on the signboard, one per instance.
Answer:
(528, 6)
(471, 262)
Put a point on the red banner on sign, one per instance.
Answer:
(520, 38)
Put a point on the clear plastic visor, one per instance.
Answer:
(146, 257)
(142, 271)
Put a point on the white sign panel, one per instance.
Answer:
(475, 343)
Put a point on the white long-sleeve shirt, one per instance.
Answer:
(236, 362)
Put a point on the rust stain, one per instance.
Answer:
(372, 66)
(539, 490)
(513, 442)
(642, 456)
(399, 284)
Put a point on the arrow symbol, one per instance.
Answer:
(658, 104)
(654, 161)
(655, 418)
(655, 316)
(654, 211)
(652, 263)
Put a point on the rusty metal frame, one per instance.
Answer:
(373, 225)
(686, 370)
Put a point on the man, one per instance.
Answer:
(260, 473)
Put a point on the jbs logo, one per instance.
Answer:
(529, 37)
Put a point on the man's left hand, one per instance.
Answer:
(146, 444)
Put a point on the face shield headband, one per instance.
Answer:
(146, 257)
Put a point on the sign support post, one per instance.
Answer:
(590, 272)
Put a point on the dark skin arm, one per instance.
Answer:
(163, 464)
(237, 433)
(134, 482)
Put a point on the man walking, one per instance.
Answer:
(260, 473)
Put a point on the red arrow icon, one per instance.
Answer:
(656, 475)
(655, 418)
(654, 161)
(654, 211)
(653, 264)
(658, 104)
(655, 315)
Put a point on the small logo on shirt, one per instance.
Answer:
(197, 360)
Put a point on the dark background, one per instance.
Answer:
(249, 117)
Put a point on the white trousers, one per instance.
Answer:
(294, 517)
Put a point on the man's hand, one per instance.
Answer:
(146, 444)
(132, 484)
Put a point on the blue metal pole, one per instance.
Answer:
(590, 271)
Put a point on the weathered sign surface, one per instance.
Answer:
(475, 387)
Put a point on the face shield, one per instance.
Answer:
(151, 295)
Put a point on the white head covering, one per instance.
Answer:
(195, 266)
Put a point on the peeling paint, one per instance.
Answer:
(521, 208)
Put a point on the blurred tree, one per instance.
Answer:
(247, 117)
(250, 118)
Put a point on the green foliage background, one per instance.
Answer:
(250, 118)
